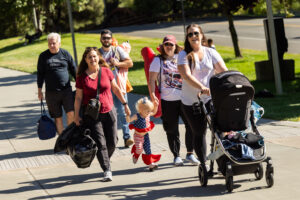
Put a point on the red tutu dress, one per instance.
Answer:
(142, 125)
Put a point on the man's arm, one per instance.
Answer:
(40, 77)
(127, 63)
(72, 66)
(121, 59)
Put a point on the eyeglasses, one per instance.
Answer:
(106, 38)
(191, 34)
(168, 44)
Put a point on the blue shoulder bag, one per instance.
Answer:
(46, 128)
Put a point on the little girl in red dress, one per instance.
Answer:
(142, 125)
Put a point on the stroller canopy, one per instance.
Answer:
(232, 95)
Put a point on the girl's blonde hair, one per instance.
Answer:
(143, 103)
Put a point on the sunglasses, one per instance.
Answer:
(191, 34)
(106, 38)
(168, 44)
(88, 48)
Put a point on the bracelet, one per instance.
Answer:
(124, 103)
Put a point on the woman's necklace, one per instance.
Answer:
(93, 74)
(200, 53)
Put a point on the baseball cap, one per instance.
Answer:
(169, 39)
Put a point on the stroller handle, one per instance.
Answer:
(201, 105)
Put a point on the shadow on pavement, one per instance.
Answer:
(27, 154)
(121, 191)
(21, 124)
(17, 80)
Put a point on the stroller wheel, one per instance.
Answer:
(269, 173)
(229, 183)
(203, 176)
(269, 179)
(259, 173)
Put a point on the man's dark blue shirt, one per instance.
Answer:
(54, 69)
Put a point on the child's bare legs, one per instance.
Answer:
(138, 143)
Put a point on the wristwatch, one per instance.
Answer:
(124, 103)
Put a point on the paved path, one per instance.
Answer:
(30, 170)
(251, 33)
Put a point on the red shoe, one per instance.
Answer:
(135, 156)
(151, 158)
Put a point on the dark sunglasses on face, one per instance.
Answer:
(168, 44)
(196, 33)
(94, 48)
(106, 38)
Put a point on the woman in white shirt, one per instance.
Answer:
(196, 64)
(164, 70)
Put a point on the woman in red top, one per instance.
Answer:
(104, 129)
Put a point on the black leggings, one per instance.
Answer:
(104, 132)
(171, 111)
(198, 125)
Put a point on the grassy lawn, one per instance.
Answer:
(14, 55)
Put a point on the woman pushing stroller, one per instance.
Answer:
(197, 64)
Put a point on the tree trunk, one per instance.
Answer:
(105, 11)
(48, 20)
(234, 36)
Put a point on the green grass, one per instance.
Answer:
(14, 55)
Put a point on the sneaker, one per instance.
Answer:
(107, 176)
(192, 159)
(178, 161)
(134, 159)
(153, 167)
(207, 167)
(128, 142)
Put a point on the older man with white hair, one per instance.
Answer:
(54, 66)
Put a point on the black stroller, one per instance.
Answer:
(230, 113)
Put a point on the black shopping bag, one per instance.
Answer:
(46, 128)
(82, 149)
(71, 131)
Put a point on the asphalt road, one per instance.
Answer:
(250, 32)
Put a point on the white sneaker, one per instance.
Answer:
(107, 176)
(178, 161)
(134, 160)
(207, 167)
(192, 159)
(153, 167)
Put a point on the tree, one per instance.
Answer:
(229, 7)
(110, 6)
(16, 18)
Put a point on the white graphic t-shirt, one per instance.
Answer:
(171, 82)
(202, 71)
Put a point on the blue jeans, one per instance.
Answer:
(122, 116)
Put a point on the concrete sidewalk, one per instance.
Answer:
(30, 170)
